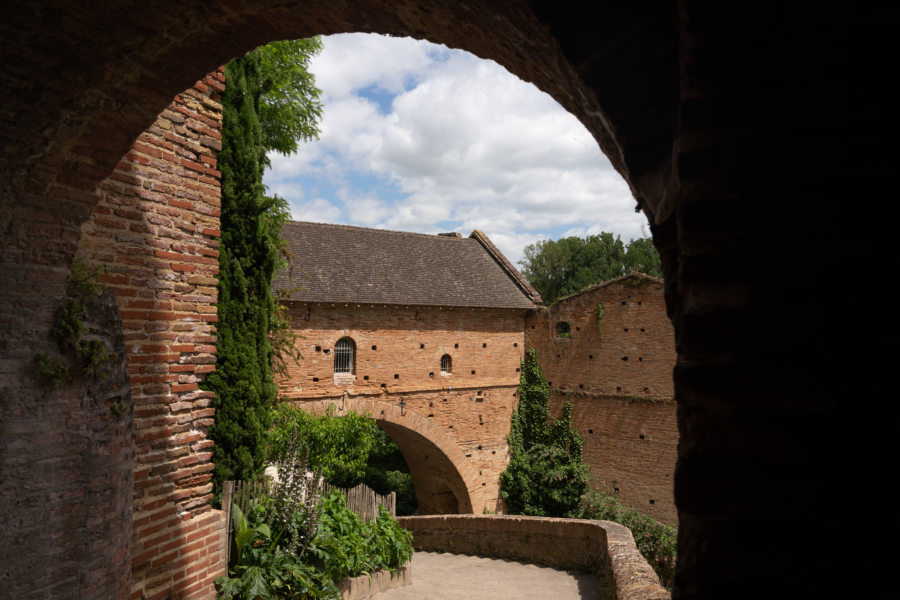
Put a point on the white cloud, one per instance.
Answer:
(463, 142)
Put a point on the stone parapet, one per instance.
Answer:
(601, 547)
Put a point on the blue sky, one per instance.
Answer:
(418, 137)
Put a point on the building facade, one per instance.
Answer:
(423, 332)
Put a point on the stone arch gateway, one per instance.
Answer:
(752, 140)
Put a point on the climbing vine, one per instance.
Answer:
(600, 307)
(79, 356)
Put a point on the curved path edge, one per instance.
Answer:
(600, 547)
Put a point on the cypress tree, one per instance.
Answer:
(270, 103)
(243, 382)
(545, 475)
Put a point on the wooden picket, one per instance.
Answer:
(361, 499)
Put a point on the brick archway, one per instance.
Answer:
(743, 135)
(433, 456)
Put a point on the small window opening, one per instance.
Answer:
(456, 345)
(315, 379)
(343, 356)
(318, 348)
(618, 390)
(590, 357)
(515, 344)
(484, 344)
(396, 376)
(421, 346)
(365, 377)
(591, 431)
(473, 371)
(446, 364)
(641, 436)
(563, 330)
(374, 347)
(580, 386)
(624, 358)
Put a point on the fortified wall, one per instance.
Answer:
(610, 349)
(155, 233)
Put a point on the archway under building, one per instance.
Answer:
(444, 480)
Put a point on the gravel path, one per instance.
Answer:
(441, 576)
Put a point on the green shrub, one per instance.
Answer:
(347, 546)
(655, 541)
(264, 565)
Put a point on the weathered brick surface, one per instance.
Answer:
(601, 547)
(155, 233)
(470, 406)
(624, 409)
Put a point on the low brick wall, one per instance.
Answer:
(601, 547)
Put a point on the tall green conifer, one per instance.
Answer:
(545, 475)
(270, 103)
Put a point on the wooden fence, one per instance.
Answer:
(361, 499)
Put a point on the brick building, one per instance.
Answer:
(426, 334)
(611, 350)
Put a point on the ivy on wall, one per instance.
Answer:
(79, 356)
(600, 307)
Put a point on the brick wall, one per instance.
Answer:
(155, 231)
(398, 357)
(620, 382)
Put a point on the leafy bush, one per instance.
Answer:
(347, 546)
(282, 564)
(265, 569)
(338, 447)
(348, 450)
(655, 541)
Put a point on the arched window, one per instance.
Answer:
(343, 355)
(446, 363)
(563, 330)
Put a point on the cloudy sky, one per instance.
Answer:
(417, 137)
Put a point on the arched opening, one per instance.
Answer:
(344, 356)
(705, 118)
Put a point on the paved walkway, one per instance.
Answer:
(438, 576)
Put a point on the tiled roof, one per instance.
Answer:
(377, 266)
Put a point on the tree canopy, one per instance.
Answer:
(559, 268)
(270, 103)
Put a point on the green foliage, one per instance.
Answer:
(270, 103)
(347, 450)
(90, 356)
(600, 308)
(655, 541)
(561, 268)
(338, 447)
(290, 106)
(546, 475)
(386, 472)
(51, 368)
(349, 546)
(344, 546)
(263, 568)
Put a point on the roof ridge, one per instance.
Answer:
(358, 227)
